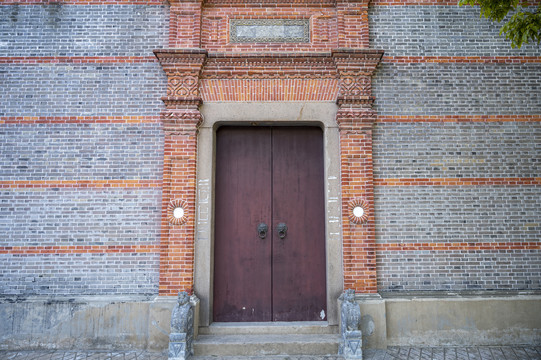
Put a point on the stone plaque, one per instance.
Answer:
(269, 30)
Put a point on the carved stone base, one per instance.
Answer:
(350, 327)
(351, 345)
(182, 328)
(179, 345)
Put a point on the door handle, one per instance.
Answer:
(262, 230)
(282, 230)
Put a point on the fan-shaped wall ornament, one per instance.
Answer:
(176, 212)
(358, 211)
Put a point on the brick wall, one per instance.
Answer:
(455, 143)
(466, 149)
(82, 148)
(456, 149)
(437, 30)
(462, 89)
(81, 151)
(79, 274)
(101, 89)
(82, 30)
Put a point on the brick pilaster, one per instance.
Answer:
(355, 118)
(185, 23)
(353, 27)
(181, 120)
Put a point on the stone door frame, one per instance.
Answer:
(322, 114)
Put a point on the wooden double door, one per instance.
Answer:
(269, 250)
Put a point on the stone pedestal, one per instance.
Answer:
(351, 347)
(180, 345)
(182, 329)
(350, 327)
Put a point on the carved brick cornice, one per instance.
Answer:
(270, 66)
(366, 59)
(354, 119)
(355, 68)
(270, 3)
(183, 69)
(184, 121)
(288, 3)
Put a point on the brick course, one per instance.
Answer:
(82, 30)
(81, 89)
(65, 217)
(79, 274)
(81, 152)
(411, 214)
(431, 89)
(457, 150)
(459, 270)
(450, 31)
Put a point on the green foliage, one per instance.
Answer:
(522, 27)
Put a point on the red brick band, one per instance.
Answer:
(161, 2)
(458, 182)
(99, 184)
(459, 246)
(426, 2)
(80, 249)
(84, 2)
(79, 119)
(457, 118)
(462, 59)
(31, 60)
(211, 92)
(412, 2)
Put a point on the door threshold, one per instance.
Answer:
(262, 328)
(271, 323)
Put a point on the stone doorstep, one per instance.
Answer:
(266, 344)
(271, 357)
(262, 339)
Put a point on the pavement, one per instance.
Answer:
(392, 353)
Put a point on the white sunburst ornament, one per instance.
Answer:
(176, 212)
(358, 211)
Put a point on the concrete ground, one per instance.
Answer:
(392, 353)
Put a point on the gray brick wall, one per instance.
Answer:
(485, 213)
(81, 152)
(82, 30)
(438, 31)
(457, 89)
(412, 214)
(458, 150)
(82, 89)
(78, 216)
(81, 216)
(459, 270)
(79, 274)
